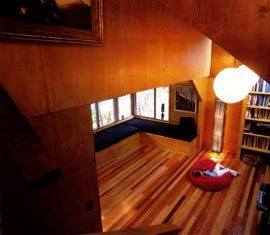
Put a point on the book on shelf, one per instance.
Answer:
(257, 128)
(259, 100)
(256, 142)
(261, 129)
(248, 113)
(247, 127)
(261, 86)
(258, 113)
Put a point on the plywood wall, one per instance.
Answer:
(232, 124)
(220, 60)
(144, 47)
(240, 27)
(201, 86)
(66, 134)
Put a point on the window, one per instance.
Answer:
(109, 111)
(153, 103)
(162, 103)
(106, 112)
(124, 107)
(145, 103)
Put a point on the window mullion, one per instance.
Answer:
(116, 109)
(133, 104)
(97, 114)
(155, 97)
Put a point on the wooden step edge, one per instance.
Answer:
(161, 229)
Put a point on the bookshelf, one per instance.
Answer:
(254, 136)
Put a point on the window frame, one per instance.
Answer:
(99, 112)
(155, 106)
(135, 103)
(133, 109)
(116, 113)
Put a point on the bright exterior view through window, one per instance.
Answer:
(153, 103)
(106, 112)
(109, 111)
(145, 103)
(162, 103)
(124, 107)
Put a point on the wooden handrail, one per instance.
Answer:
(161, 229)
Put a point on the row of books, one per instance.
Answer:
(257, 128)
(259, 100)
(258, 113)
(256, 142)
(261, 86)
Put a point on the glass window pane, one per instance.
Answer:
(94, 116)
(145, 103)
(106, 112)
(162, 103)
(124, 105)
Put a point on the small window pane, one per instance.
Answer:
(94, 116)
(162, 103)
(106, 112)
(124, 105)
(145, 103)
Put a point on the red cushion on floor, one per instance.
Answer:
(207, 182)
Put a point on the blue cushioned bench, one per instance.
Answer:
(106, 138)
(186, 131)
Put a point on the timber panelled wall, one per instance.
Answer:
(220, 60)
(144, 46)
(240, 27)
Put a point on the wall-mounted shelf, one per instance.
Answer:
(255, 149)
(258, 119)
(257, 135)
(258, 93)
(258, 107)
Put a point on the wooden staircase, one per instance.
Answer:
(240, 27)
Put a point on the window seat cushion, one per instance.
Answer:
(181, 132)
(105, 138)
(147, 125)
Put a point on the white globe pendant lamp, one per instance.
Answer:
(229, 86)
(232, 85)
(251, 77)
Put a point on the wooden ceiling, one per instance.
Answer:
(240, 27)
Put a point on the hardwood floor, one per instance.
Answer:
(149, 186)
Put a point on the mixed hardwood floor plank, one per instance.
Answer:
(150, 186)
